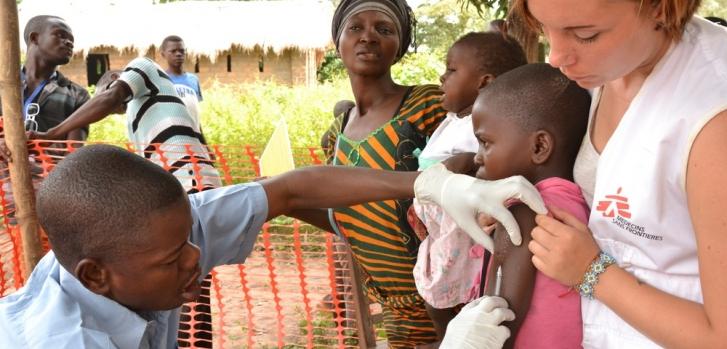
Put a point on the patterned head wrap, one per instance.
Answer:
(399, 12)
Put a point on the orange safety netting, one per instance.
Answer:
(294, 290)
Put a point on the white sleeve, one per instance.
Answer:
(141, 76)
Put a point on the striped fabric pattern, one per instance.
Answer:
(159, 119)
(379, 235)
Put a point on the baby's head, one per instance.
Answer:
(530, 122)
(472, 62)
(120, 225)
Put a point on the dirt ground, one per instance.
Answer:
(278, 307)
(273, 301)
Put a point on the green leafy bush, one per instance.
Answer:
(331, 68)
(248, 113)
(418, 68)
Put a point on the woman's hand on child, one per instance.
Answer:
(479, 325)
(562, 247)
(464, 197)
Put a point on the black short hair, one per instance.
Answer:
(37, 24)
(97, 202)
(717, 20)
(168, 39)
(496, 53)
(539, 97)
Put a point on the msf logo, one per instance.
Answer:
(614, 205)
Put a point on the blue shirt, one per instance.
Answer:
(187, 79)
(54, 310)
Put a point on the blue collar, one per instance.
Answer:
(124, 327)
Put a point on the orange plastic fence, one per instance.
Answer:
(289, 293)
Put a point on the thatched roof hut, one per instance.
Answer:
(226, 40)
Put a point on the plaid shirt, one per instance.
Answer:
(58, 100)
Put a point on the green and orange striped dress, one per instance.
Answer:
(378, 233)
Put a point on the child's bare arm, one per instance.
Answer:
(462, 163)
(518, 272)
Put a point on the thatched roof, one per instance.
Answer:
(207, 27)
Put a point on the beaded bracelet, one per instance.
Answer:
(590, 278)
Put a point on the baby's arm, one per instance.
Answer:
(462, 163)
(518, 272)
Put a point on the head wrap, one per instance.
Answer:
(399, 12)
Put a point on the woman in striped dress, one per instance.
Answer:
(384, 130)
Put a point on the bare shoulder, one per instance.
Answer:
(706, 177)
(709, 149)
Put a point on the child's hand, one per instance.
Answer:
(416, 224)
(487, 223)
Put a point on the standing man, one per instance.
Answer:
(46, 92)
(48, 96)
(187, 84)
(163, 130)
(175, 53)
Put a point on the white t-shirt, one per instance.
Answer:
(640, 214)
(454, 135)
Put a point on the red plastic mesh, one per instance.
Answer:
(292, 291)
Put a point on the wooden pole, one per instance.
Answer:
(14, 129)
(364, 321)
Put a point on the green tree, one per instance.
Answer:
(440, 23)
(717, 8)
(482, 6)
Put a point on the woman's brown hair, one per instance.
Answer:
(675, 14)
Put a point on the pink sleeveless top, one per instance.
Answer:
(554, 317)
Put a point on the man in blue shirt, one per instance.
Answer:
(186, 84)
(175, 53)
(130, 247)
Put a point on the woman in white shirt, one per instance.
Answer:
(650, 263)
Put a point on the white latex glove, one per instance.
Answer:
(463, 197)
(477, 326)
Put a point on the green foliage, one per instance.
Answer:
(442, 22)
(248, 113)
(332, 68)
(418, 68)
(717, 8)
(499, 6)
